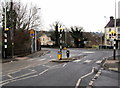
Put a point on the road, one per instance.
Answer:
(39, 71)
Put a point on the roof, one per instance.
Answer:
(111, 23)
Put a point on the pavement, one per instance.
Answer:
(36, 54)
(110, 74)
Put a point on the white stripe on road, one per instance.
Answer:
(42, 59)
(79, 80)
(43, 72)
(64, 65)
(88, 52)
(87, 61)
(77, 61)
(9, 76)
(46, 66)
(99, 61)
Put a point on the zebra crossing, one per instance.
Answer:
(87, 61)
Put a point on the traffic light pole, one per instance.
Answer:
(5, 36)
(61, 43)
(114, 49)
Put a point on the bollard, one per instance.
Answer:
(67, 53)
(59, 55)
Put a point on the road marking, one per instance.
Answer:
(88, 52)
(46, 66)
(79, 80)
(87, 61)
(98, 62)
(64, 65)
(43, 72)
(17, 77)
(32, 70)
(42, 59)
(9, 76)
(77, 61)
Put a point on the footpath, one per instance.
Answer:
(109, 76)
(36, 54)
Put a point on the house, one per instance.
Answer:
(110, 27)
(46, 40)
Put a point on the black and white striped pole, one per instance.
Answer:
(114, 43)
(61, 43)
(5, 43)
(5, 35)
(114, 51)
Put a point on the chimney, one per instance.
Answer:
(111, 17)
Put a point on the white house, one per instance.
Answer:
(45, 40)
(110, 27)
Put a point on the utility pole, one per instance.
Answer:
(12, 30)
(35, 41)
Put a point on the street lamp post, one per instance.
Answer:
(36, 35)
(105, 40)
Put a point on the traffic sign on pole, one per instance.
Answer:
(32, 33)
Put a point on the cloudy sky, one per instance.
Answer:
(90, 14)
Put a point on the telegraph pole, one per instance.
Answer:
(12, 30)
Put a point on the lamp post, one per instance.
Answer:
(36, 35)
(105, 41)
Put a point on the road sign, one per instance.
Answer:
(32, 33)
(61, 28)
(112, 32)
(7, 29)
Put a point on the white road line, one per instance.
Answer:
(79, 80)
(88, 52)
(17, 77)
(42, 59)
(64, 65)
(46, 66)
(87, 61)
(32, 70)
(9, 76)
(77, 61)
(43, 72)
(98, 62)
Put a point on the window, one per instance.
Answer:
(118, 29)
(109, 30)
(109, 35)
(118, 35)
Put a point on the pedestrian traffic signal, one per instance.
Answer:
(113, 33)
(7, 29)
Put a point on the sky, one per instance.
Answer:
(89, 14)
